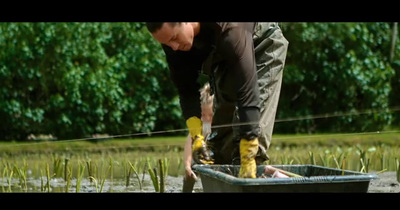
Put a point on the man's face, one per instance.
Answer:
(178, 37)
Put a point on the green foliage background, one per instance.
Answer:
(73, 80)
(340, 68)
(76, 79)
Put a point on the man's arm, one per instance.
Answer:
(187, 159)
(236, 45)
(185, 69)
(184, 72)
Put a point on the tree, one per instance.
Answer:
(336, 68)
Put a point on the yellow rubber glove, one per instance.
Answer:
(195, 126)
(248, 152)
(200, 153)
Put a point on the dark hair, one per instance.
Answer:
(155, 26)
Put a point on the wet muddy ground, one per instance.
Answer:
(385, 183)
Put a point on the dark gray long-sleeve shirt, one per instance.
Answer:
(233, 43)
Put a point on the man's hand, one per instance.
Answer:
(200, 153)
(189, 180)
(189, 174)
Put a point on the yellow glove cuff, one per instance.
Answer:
(195, 126)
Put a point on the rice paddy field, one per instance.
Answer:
(154, 164)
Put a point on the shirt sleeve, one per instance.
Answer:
(184, 72)
(236, 45)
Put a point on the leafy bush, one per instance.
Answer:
(76, 79)
(336, 68)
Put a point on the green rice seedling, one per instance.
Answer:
(311, 156)
(397, 169)
(90, 169)
(41, 181)
(159, 180)
(5, 171)
(18, 173)
(291, 161)
(96, 171)
(322, 160)
(326, 160)
(21, 172)
(57, 167)
(68, 177)
(36, 169)
(111, 169)
(339, 159)
(48, 178)
(163, 170)
(166, 163)
(137, 175)
(145, 168)
(65, 168)
(343, 164)
(364, 160)
(390, 152)
(127, 173)
(382, 160)
(104, 178)
(8, 174)
(364, 165)
(95, 182)
(284, 160)
(381, 171)
(343, 160)
(1, 178)
(154, 179)
(361, 154)
(300, 160)
(80, 173)
(336, 161)
(362, 169)
(139, 166)
(103, 175)
(100, 170)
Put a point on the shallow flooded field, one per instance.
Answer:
(134, 165)
(58, 185)
(385, 183)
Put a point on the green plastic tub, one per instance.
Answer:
(223, 178)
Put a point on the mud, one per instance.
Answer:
(385, 183)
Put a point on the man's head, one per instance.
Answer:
(177, 35)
